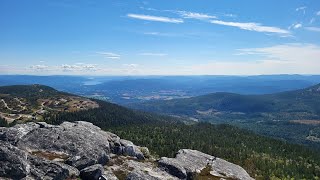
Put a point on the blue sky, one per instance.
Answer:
(167, 37)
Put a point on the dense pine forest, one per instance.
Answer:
(262, 157)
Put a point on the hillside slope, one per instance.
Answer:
(33, 102)
(291, 115)
(305, 102)
(21, 103)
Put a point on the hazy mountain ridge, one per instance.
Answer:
(274, 115)
(305, 99)
(128, 89)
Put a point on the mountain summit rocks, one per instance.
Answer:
(190, 164)
(80, 149)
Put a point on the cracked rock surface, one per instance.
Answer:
(82, 150)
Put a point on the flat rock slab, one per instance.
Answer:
(188, 164)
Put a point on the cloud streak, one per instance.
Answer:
(195, 15)
(153, 54)
(78, 67)
(278, 59)
(110, 55)
(155, 18)
(253, 27)
(39, 67)
(302, 8)
(295, 26)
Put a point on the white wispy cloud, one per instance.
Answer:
(253, 27)
(195, 15)
(152, 33)
(315, 29)
(78, 67)
(152, 54)
(165, 34)
(230, 15)
(283, 58)
(110, 55)
(318, 13)
(278, 59)
(302, 8)
(159, 34)
(295, 26)
(155, 18)
(288, 52)
(39, 67)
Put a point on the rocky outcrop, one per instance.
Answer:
(40, 150)
(13, 161)
(80, 149)
(92, 172)
(130, 169)
(189, 164)
(18, 164)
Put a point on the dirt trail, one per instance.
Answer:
(6, 105)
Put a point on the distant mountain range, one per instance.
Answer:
(125, 89)
(302, 103)
(292, 115)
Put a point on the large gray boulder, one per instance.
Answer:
(44, 169)
(14, 134)
(18, 164)
(36, 150)
(93, 172)
(190, 164)
(81, 142)
(13, 161)
(127, 168)
(131, 150)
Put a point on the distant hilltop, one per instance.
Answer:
(33, 102)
